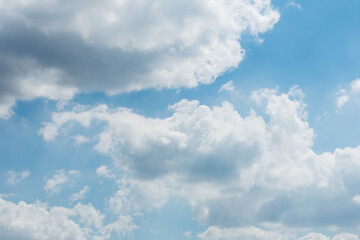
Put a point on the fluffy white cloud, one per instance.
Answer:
(134, 196)
(15, 177)
(77, 223)
(120, 46)
(54, 184)
(221, 161)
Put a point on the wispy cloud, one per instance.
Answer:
(105, 172)
(293, 4)
(347, 94)
(80, 195)
(229, 87)
(15, 177)
(54, 185)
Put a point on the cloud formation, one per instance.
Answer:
(122, 46)
(221, 161)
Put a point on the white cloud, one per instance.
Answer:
(54, 184)
(314, 236)
(188, 234)
(219, 161)
(6, 195)
(15, 177)
(251, 233)
(293, 4)
(345, 236)
(229, 86)
(134, 196)
(355, 86)
(81, 222)
(133, 44)
(342, 99)
(105, 172)
(80, 139)
(345, 95)
(254, 233)
(80, 195)
(356, 198)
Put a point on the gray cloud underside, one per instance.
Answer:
(118, 47)
(234, 171)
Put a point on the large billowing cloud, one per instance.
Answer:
(235, 171)
(54, 49)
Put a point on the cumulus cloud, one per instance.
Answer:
(15, 177)
(120, 46)
(54, 184)
(220, 161)
(78, 223)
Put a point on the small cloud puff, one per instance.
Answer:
(229, 87)
(350, 93)
(80, 195)
(104, 172)
(293, 4)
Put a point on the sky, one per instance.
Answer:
(199, 120)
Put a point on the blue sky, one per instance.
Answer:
(216, 120)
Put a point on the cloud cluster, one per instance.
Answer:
(81, 222)
(121, 46)
(234, 170)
